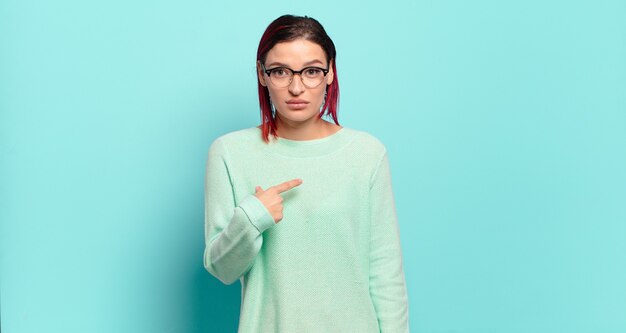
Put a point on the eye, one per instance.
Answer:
(313, 72)
(279, 72)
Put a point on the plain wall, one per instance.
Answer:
(505, 124)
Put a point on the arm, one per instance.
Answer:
(387, 283)
(233, 232)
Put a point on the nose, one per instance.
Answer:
(296, 87)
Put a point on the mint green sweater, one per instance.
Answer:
(334, 262)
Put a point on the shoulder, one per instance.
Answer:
(370, 151)
(239, 137)
(367, 142)
(246, 134)
(236, 140)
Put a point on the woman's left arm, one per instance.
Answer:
(387, 282)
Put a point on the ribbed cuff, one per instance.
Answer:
(258, 215)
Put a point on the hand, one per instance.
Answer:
(271, 198)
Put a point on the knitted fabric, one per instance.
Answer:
(334, 262)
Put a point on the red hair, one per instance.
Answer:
(288, 28)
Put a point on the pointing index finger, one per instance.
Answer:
(288, 185)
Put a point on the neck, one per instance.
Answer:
(315, 128)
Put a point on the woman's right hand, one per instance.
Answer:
(271, 198)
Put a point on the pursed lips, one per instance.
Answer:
(297, 104)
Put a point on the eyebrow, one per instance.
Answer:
(280, 64)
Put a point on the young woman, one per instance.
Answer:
(300, 209)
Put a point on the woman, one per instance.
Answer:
(300, 209)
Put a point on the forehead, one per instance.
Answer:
(296, 53)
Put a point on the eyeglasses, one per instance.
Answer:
(281, 77)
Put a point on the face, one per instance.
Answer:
(296, 103)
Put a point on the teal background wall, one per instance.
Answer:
(505, 123)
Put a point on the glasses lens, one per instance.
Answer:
(281, 77)
(312, 76)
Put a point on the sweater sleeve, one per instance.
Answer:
(233, 232)
(387, 282)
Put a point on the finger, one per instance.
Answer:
(288, 185)
(258, 190)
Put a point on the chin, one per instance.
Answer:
(298, 115)
(298, 119)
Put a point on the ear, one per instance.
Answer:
(331, 75)
(260, 74)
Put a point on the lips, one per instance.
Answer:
(297, 104)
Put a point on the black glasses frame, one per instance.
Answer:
(294, 72)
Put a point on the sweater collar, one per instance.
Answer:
(310, 148)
